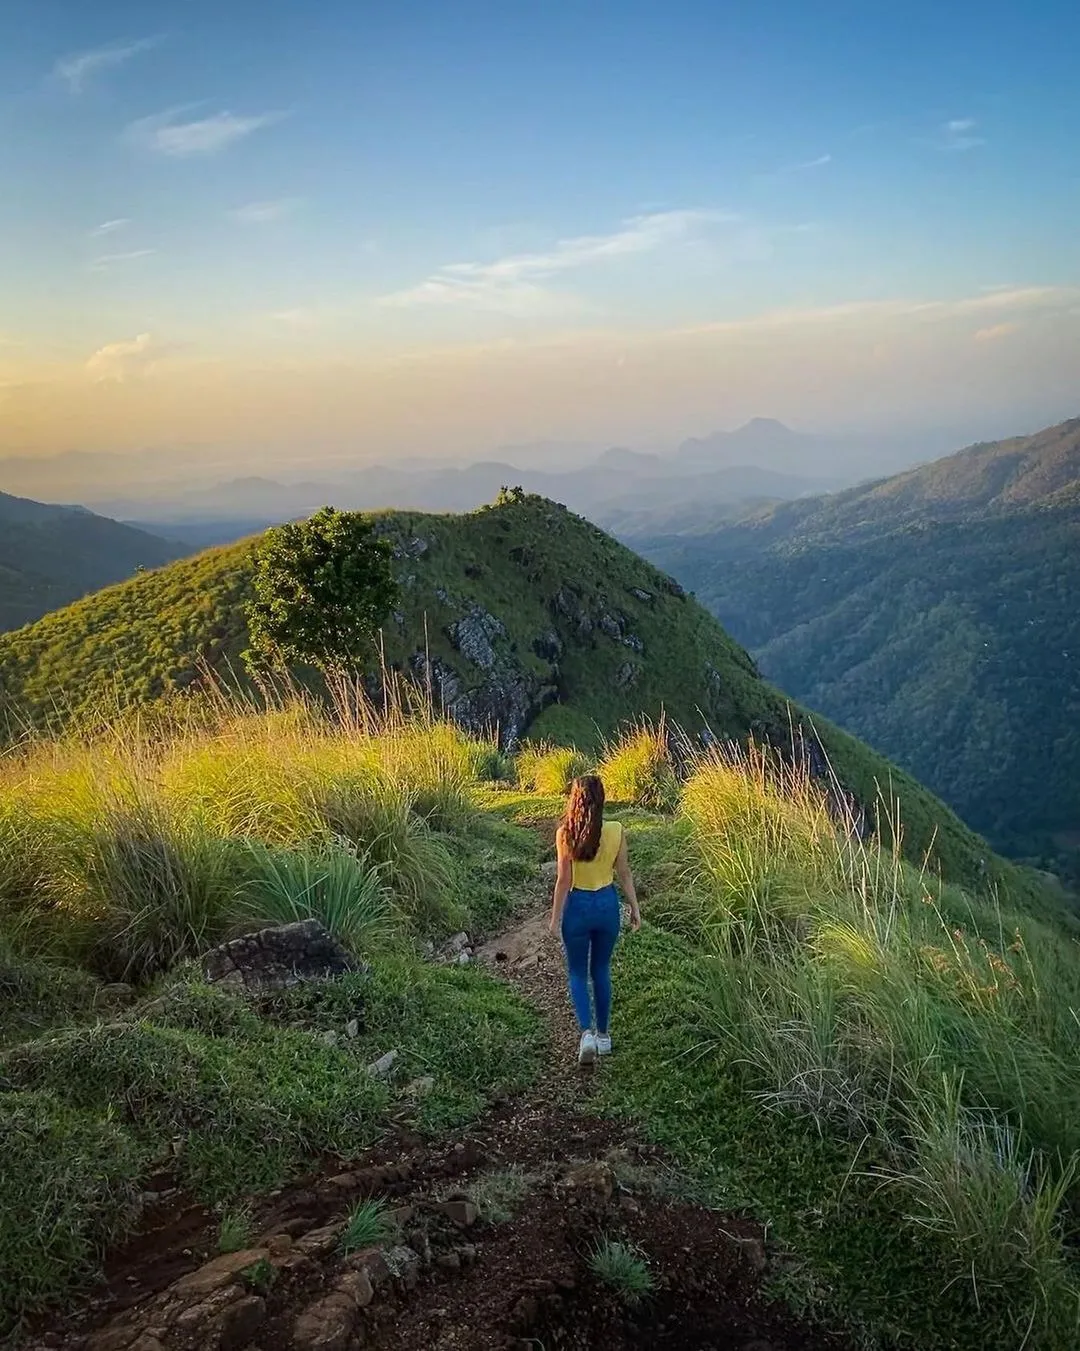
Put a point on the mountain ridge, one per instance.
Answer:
(520, 615)
(50, 555)
(930, 613)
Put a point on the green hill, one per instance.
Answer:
(50, 556)
(521, 616)
(933, 614)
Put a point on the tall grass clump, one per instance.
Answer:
(334, 884)
(638, 769)
(843, 989)
(548, 769)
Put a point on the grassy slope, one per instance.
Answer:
(138, 640)
(51, 555)
(931, 614)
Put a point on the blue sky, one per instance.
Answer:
(198, 197)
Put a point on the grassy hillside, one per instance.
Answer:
(522, 617)
(879, 1068)
(933, 615)
(50, 555)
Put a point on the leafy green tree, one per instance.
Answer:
(321, 589)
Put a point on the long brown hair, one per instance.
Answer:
(584, 818)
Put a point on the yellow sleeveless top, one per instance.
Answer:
(599, 872)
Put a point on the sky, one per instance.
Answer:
(283, 231)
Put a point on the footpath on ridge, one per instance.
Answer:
(492, 1233)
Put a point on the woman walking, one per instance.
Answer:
(591, 853)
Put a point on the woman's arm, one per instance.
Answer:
(563, 877)
(626, 881)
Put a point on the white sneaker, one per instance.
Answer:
(587, 1050)
(603, 1044)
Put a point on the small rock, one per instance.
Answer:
(319, 1242)
(352, 1028)
(457, 943)
(329, 1038)
(279, 1245)
(240, 1321)
(404, 1263)
(221, 1271)
(450, 1260)
(462, 1213)
(420, 1088)
(385, 1063)
(464, 958)
(146, 1343)
(401, 1216)
(468, 1253)
(373, 1262)
(596, 1177)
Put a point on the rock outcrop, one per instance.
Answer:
(278, 957)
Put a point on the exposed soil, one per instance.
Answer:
(453, 1280)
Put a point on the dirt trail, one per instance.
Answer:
(454, 1279)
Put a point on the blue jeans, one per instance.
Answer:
(590, 930)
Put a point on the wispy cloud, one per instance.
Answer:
(78, 69)
(959, 134)
(817, 163)
(513, 284)
(110, 260)
(120, 361)
(110, 227)
(994, 332)
(168, 134)
(262, 213)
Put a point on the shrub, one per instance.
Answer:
(333, 884)
(638, 769)
(548, 769)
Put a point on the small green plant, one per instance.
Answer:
(260, 1276)
(234, 1230)
(623, 1268)
(368, 1224)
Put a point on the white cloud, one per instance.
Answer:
(262, 213)
(166, 134)
(809, 164)
(959, 134)
(512, 284)
(110, 227)
(994, 332)
(120, 361)
(79, 68)
(110, 260)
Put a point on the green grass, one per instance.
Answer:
(498, 1195)
(368, 1224)
(637, 769)
(882, 1069)
(549, 770)
(235, 1229)
(128, 858)
(623, 1268)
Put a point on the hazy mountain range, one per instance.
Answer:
(204, 504)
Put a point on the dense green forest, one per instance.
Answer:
(52, 555)
(934, 615)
